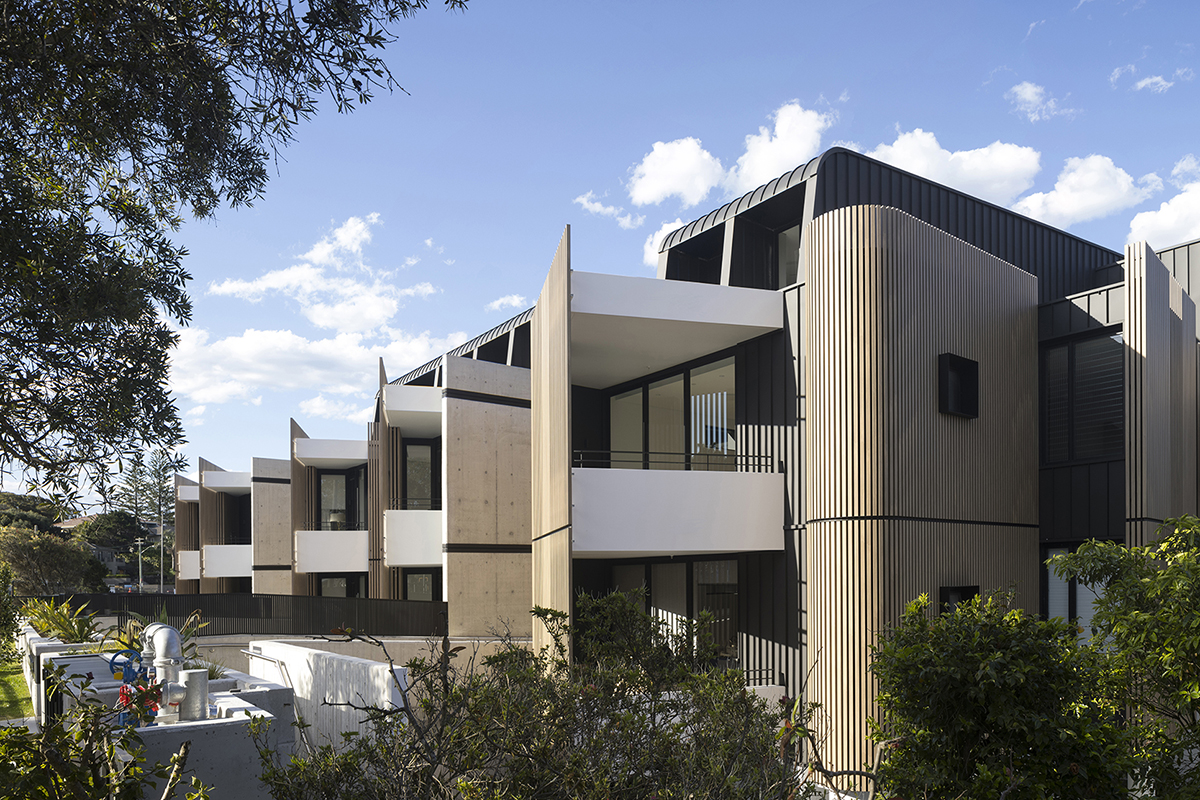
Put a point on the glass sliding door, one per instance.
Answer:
(713, 429)
(667, 428)
(625, 430)
(333, 502)
(418, 476)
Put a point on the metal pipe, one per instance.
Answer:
(195, 699)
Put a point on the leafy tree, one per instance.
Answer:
(43, 563)
(8, 615)
(1147, 624)
(160, 487)
(116, 529)
(990, 702)
(22, 511)
(132, 492)
(535, 726)
(115, 119)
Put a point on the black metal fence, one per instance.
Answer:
(276, 614)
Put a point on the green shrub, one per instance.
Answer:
(638, 715)
(987, 701)
(60, 621)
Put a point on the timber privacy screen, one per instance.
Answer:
(276, 615)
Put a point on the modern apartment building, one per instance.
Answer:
(847, 388)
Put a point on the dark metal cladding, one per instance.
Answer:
(1064, 264)
(495, 333)
(1184, 262)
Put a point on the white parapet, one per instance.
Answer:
(228, 560)
(189, 565)
(188, 494)
(331, 551)
(633, 513)
(413, 538)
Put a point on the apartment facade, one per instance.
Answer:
(847, 388)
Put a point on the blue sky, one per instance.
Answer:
(423, 219)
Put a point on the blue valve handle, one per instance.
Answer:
(129, 673)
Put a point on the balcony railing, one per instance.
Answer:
(415, 504)
(335, 525)
(699, 462)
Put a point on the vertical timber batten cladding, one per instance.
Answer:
(1064, 264)
(550, 389)
(187, 533)
(901, 499)
(305, 491)
(1160, 396)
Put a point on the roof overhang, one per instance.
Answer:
(624, 328)
(234, 483)
(415, 410)
(331, 453)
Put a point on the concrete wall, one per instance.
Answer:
(486, 490)
(321, 680)
(271, 523)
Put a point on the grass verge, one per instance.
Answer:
(14, 697)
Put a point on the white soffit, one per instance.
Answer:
(228, 482)
(188, 494)
(415, 410)
(623, 328)
(331, 453)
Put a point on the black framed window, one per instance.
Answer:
(1083, 400)
(422, 468)
(958, 386)
(342, 499)
(951, 597)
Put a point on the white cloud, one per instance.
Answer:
(439, 249)
(320, 406)
(590, 204)
(1033, 102)
(1088, 188)
(411, 261)
(654, 242)
(1033, 25)
(1184, 74)
(1155, 83)
(1176, 220)
(796, 138)
(998, 172)
(508, 301)
(1185, 171)
(682, 168)
(1119, 71)
(195, 411)
(243, 367)
(336, 301)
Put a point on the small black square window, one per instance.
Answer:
(949, 597)
(958, 386)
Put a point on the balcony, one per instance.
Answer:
(228, 560)
(412, 535)
(234, 483)
(189, 565)
(331, 551)
(415, 410)
(633, 513)
(331, 453)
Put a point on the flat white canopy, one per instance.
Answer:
(331, 453)
(228, 482)
(623, 328)
(188, 494)
(415, 410)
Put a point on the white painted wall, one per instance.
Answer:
(331, 453)
(626, 512)
(415, 410)
(684, 301)
(188, 494)
(331, 551)
(189, 565)
(228, 560)
(412, 538)
(317, 677)
(222, 481)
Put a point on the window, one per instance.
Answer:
(683, 421)
(1083, 401)
(789, 256)
(342, 504)
(950, 597)
(344, 584)
(1067, 599)
(422, 471)
(958, 386)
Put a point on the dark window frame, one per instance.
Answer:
(958, 386)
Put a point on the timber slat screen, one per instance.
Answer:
(277, 615)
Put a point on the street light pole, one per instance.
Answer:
(141, 543)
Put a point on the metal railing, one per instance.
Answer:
(335, 525)
(415, 504)
(276, 615)
(699, 462)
